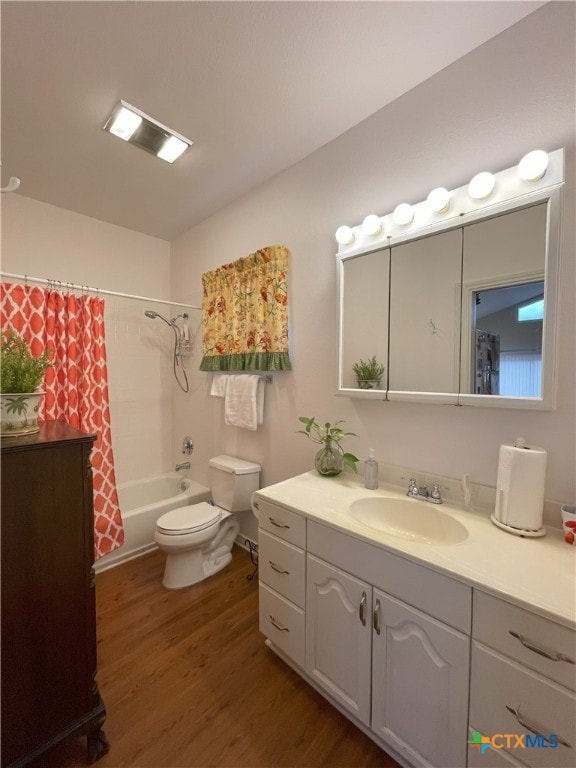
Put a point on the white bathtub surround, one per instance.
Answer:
(142, 502)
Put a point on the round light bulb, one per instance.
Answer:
(344, 235)
(403, 214)
(533, 166)
(482, 185)
(439, 200)
(372, 225)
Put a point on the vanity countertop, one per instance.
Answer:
(537, 573)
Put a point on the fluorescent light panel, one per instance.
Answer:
(138, 128)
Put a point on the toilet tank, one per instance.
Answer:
(232, 482)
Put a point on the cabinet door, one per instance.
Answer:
(419, 684)
(338, 635)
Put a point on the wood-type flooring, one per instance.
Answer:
(188, 682)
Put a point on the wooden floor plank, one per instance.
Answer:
(188, 682)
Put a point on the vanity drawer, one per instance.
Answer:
(526, 637)
(542, 706)
(282, 566)
(285, 524)
(283, 623)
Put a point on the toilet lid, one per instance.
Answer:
(188, 519)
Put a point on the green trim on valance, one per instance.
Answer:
(258, 361)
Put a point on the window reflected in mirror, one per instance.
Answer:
(507, 342)
(503, 287)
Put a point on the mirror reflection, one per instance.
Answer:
(503, 267)
(364, 319)
(455, 314)
(425, 277)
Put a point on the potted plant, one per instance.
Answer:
(368, 373)
(331, 458)
(20, 376)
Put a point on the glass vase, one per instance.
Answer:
(329, 460)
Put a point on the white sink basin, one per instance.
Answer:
(408, 519)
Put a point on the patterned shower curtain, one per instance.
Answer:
(245, 314)
(76, 386)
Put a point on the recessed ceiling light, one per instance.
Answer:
(136, 127)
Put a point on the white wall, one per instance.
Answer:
(44, 241)
(509, 96)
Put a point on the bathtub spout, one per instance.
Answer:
(184, 465)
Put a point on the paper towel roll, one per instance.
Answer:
(520, 487)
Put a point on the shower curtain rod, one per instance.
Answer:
(97, 291)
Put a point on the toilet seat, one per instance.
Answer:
(194, 517)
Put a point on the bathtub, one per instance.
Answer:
(142, 502)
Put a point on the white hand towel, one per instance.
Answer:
(219, 383)
(241, 401)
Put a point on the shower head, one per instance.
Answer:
(153, 315)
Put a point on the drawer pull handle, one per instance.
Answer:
(277, 524)
(535, 728)
(277, 569)
(281, 627)
(362, 609)
(547, 653)
(376, 617)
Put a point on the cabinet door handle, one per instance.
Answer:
(533, 728)
(376, 617)
(281, 627)
(362, 609)
(277, 524)
(542, 651)
(276, 568)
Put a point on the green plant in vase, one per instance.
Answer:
(368, 373)
(20, 377)
(331, 458)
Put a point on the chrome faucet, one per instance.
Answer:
(412, 488)
(416, 491)
(435, 495)
(184, 465)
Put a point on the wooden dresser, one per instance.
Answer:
(49, 691)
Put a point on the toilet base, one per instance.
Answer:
(188, 567)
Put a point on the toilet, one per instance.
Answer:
(198, 538)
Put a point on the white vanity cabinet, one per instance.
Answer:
(282, 570)
(448, 655)
(523, 682)
(398, 670)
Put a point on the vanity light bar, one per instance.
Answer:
(536, 170)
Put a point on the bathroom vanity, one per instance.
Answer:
(427, 626)
(49, 691)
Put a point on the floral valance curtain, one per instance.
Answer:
(76, 386)
(245, 314)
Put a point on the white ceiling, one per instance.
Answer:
(256, 85)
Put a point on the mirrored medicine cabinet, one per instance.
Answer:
(461, 312)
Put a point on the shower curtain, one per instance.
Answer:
(76, 386)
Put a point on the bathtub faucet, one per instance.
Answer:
(184, 465)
